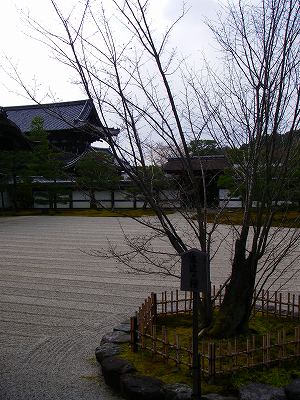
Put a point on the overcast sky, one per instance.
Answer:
(50, 78)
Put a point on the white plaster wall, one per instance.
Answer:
(63, 205)
(227, 201)
(139, 204)
(121, 195)
(81, 204)
(37, 205)
(123, 204)
(79, 195)
(105, 195)
(230, 204)
(6, 201)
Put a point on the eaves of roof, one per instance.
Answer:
(205, 163)
(56, 116)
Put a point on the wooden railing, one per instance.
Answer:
(222, 356)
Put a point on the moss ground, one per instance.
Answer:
(289, 219)
(147, 364)
(83, 213)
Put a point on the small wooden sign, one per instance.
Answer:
(194, 271)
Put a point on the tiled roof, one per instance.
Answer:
(11, 136)
(214, 162)
(56, 116)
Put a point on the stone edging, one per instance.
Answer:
(121, 376)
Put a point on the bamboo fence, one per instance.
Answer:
(222, 356)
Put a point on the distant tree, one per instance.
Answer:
(18, 169)
(157, 184)
(233, 177)
(95, 172)
(46, 162)
(204, 147)
(15, 177)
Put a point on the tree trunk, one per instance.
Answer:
(205, 311)
(93, 201)
(233, 316)
(14, 193)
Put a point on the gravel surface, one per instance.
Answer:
(57, 301)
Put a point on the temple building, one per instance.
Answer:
(71, 126)
(11, 137)
(210, 165)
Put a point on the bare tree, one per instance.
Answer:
(137, 83)
(253, 103)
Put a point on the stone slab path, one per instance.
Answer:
(57, 301)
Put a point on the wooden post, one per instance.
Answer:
(177, 350)
(297, 340)
(212, 360)
(154, 340)
(196, 367)
(153, 308)
(248, 352)
(142, 336)
(134, 334)
(165, 343)
(280, 304)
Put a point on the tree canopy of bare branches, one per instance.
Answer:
(138, 84)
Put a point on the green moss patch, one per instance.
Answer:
(290, 219)
(229, 382)
(275, 376)
(135, 213)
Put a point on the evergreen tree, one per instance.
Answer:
(96, 171)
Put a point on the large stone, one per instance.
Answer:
(107, 350)
(292, 391)
(138, 387)
(259, 391)
(215, 396)
(177, 391)
(115, 337)
(113, 368)
(123, 327)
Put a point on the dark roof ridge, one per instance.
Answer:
(48, 105)
(85, 109)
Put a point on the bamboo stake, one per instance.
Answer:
(154, 340)
(297, 340)
(177, 350)
(248, 348)
(284, 342)
(280, 304)
(167, 345)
